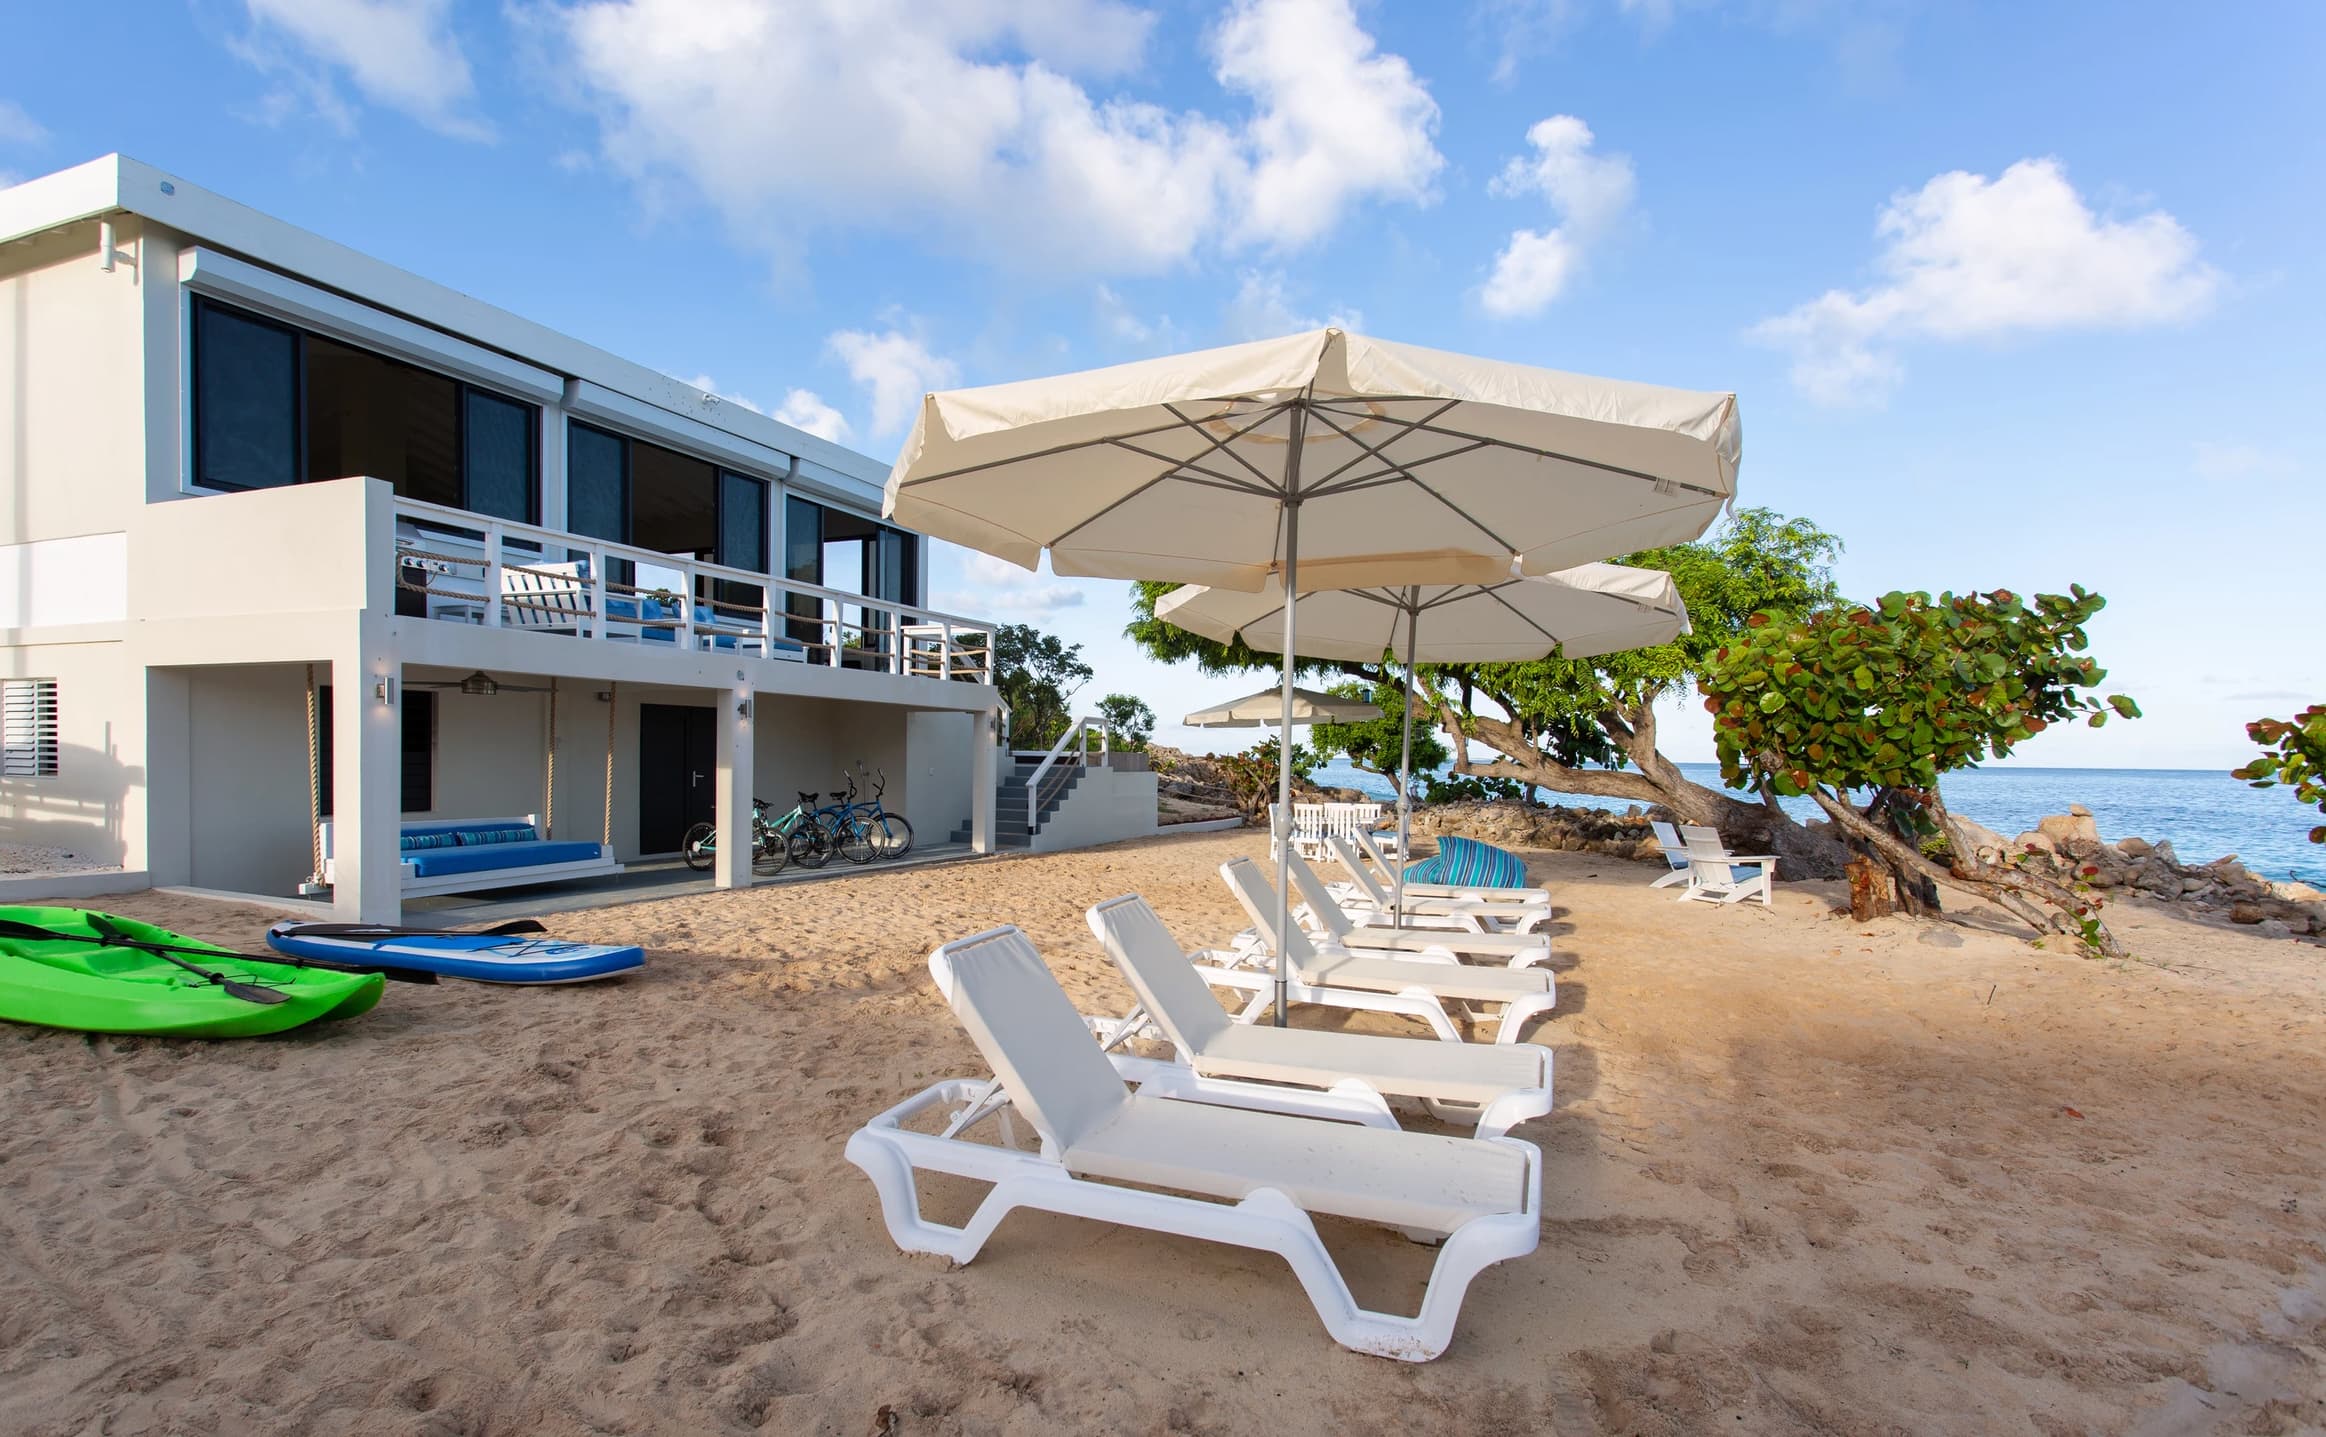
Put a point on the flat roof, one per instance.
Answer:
(119, 184)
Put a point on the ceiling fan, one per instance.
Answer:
(479, 684)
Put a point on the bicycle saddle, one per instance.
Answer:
(807, 800)
(840, 795)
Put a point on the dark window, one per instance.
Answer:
(803, 562)
(674, 502)
(246, 401)
(742, 521)
(497, 438)
(274, 405)
(597, 484)
(369, 415)
(419, 750)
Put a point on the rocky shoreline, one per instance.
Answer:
(2224, 889)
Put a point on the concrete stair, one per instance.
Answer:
(1013, 826)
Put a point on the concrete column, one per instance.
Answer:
(367, 725)
(732, 790)
(984, 757)
(163, 845)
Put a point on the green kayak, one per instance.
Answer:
(94, 987)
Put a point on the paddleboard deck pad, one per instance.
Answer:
(529, 958)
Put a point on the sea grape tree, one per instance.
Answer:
(1375, 745)
(2293, 753)
(1865, 709)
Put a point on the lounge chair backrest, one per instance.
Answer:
(1175, 996)
(1258, 899)
(1344, 852)
(1372, 850)
(1668, 839)
(1320, 901)
(1706, 853)
(1024, 1024)
(544, 595)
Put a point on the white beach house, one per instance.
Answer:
(288, 534)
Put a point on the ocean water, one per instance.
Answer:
(2204, 812)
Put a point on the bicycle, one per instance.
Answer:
(835, 828)
(700, 847)
(891, 834)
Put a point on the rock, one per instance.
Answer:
(2195, 885)
(2273, 928)
(2247, 913)
(2224, 864)
(2035, 840)
(1940, 938)
(2106, 877)
(2134, 847)
(2077, 810)
(1985, 842)
(2164, 850)
(2069, 828)
(2293, 892)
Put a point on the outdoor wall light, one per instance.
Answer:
(743, 709)
(385, 691)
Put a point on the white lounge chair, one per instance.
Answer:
(1352, 852)
(1255, 1176)
(1493, 1087)
(1415, 984)
(1717, 876)
(1368, 902)
(1675, 853)
(1321, 909)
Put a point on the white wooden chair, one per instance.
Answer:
(1717, 876)
(1675, 853)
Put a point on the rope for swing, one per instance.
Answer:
(314, 787)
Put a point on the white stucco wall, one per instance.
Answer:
(96, 805)
(246, 778)
(72, 376)
(938, 754)
(1106, 806)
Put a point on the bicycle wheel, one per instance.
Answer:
(849, 840)
(701, 848)
(770, 854)
(892, 836)
(807, 846)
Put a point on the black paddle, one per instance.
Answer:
(509, 929)
(112, 937)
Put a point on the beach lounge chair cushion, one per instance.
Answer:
(1027, 1029)
(493, 857)
(1467, 863)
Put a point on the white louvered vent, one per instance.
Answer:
(28, 728)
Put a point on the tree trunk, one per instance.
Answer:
(2038, 900)
(1746, 827)
(1870, 886)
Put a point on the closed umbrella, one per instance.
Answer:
(1579, 612)
(1326, 459)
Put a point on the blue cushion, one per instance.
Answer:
(437, 863)
(434, 838)
(479, 837)
(1467, 863)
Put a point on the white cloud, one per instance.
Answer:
(974, 122)
(1119, 321)
(398, 53)
(806, 410)
(1262, 309)
(896, 369)
(996, 586)
(1966, 257)
(1590, 194)
(17, 127)
(2238, 463)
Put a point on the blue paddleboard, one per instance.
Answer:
(478, 957)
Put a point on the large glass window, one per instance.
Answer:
(839, 550)
(274, 405)
(597, 483)
(246, 400)
(642, 494)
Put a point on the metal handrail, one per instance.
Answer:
(1076, 737)
(911, 641)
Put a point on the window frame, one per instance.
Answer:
(47, 748)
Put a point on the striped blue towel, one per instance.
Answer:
(1467, 863)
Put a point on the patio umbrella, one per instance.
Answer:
(1326, 458)
(1579, 612)
(1266, 708)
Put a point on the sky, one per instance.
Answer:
(2011, 295)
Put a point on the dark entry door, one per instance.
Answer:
(677, 767)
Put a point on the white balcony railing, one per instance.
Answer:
(465, 568)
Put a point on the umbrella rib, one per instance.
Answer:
(1354, 460)
(1180, 467)
(1404, 471)
(1184, 422)
(1220, 442)
(1427, 426)
(1495, 594)
(1407, 470)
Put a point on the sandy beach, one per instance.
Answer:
(1804, 1176)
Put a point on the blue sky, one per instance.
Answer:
(2012, 295)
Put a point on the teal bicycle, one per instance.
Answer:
(773, 841)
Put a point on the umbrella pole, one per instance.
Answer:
(1284, 761)
(1405, 763)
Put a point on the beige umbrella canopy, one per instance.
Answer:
(1579, 612)
(1266, 709)
(1327, 459)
